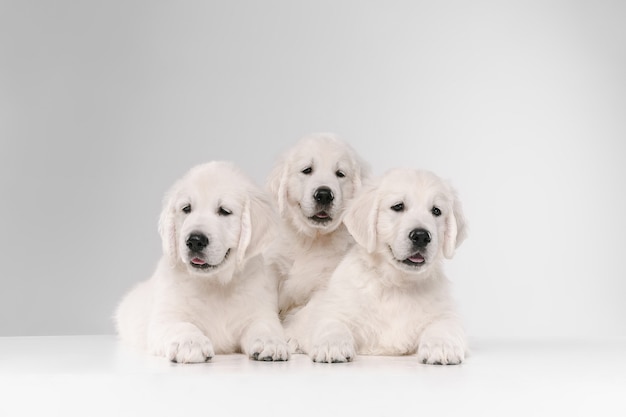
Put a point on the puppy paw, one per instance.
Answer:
(269, 350)
(190, 348)
(440, 352)
(333, 351)
(294, 345)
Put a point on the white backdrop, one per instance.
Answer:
(522, 105)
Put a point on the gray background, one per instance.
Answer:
(521, 105)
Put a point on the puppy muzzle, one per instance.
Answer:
(323, 197)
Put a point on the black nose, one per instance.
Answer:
(419, 237)
(323, 195)
(197, 241)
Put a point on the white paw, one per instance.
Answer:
(440, 352)
(269, 350)
(294, 346)
(190, 348)
(333, 351)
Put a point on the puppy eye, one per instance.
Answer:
(340, 174)
(187, 209)
(307, 171)
(224, 212)
(436, 211)
(398, 207)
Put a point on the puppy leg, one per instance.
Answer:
(442, 343)
(264, 340)
(332, 342)
(180, 342)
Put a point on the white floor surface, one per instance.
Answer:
(95, 375)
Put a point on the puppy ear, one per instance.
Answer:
(167, 228)
(456, 228)
(258, 226)
(361, 218)
(277, 185)
(361, 173)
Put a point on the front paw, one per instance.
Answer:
(441, 352)
(190, 348)
(333, 351)
(269, 350)
(294, 346)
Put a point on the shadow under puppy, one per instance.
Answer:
(210, 292)
(389, 295)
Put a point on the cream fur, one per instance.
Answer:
(375, 304)
(307, 251)
(188, 313)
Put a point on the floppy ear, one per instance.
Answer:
(456, 228)
(361, 173)
(277, 184)
(167, 228)
(361, 218)
(258, 226)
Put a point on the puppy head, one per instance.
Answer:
(411, 218)
(313, 181)
(214, 219)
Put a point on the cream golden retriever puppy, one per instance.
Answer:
(311, 184)
(389, 295)
(210, 292)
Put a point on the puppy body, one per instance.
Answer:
(305, 265)
(311, 184)
(210, 292)
(389, 295)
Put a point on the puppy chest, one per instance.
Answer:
(391, 328)
(221, 320)
(308, 273)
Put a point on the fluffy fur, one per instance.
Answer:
(311, 184)
(389, 296)
(208, 296)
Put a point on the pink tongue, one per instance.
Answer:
(197, 261)
(321, 215)
(417, 258)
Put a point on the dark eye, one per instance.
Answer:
(224, 212)
(340, 174)
(435, 211)
(307, 171)
(398, 207)
(187, 209)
